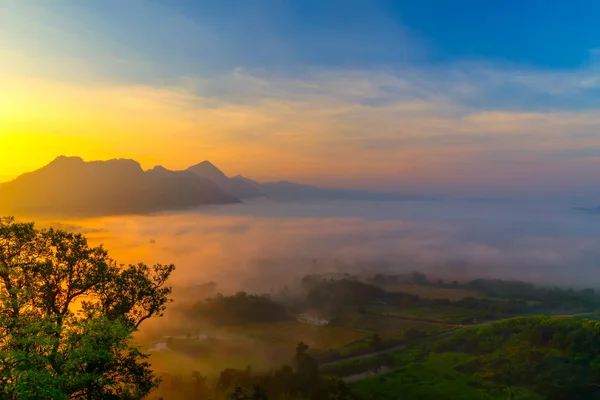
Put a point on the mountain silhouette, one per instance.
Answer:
(284, 191)
(71, 186)
(241, 188)
(208, 170)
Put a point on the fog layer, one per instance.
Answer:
(262, 245)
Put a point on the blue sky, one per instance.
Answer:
(443, 92)
(549, 51)
(546, 34)
(352, 33)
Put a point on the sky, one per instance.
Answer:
(390, 95)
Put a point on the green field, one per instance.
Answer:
(174, 363)
(264, 346)
(437, 377)
(433, 292)
(290, 333)
(526, 358)
(387, 327)
(443, 314)
(261, 346)
(220, 358)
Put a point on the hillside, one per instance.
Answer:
(519, 358)
(70, 186)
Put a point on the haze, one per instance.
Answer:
(262, 245)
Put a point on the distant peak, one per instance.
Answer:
(65, 159)
(205, 164)
(120, 163)
(64, 162)
(159, 168)
(207, 169)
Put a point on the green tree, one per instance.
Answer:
(238, 394)
(255, 394)
(67, 315)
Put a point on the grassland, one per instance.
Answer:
(290, 333)
(442, 314)
(175, 363)
(387, 327)
(526, 358)
(261, 346)
(210, 357)
(433, 292)
(436, 377)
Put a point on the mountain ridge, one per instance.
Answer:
(284, 190)
(72, 186)
(69, 186)
(235, 187)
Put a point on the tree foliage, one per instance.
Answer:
(67, 313)
(557, 357)
(241, 308)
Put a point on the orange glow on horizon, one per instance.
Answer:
(167, 126)
(312, 139)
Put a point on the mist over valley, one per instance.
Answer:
(241, 244)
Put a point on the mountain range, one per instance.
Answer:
(237, 186)
(70, 186)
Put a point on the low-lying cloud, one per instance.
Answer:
(264, 245)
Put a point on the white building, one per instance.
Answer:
(160, 347)
(312, 319)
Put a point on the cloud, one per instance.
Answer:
(261, 245)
